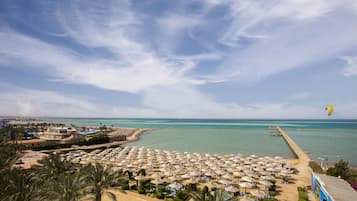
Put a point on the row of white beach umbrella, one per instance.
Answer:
(175, 167)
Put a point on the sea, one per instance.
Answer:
(326, 141)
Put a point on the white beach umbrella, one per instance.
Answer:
(286, 171)
(223, 181)
(157, 181)
(231, 189)
(257, 193)
(231, 170)
(141, 178)
(271, 169)
(238, 174)
(156, 176)
(220, 172)
(227, 176)
(185, 176)
(195, 174)
(211, 185)
(192, 181)
(278, 158)
(265, 173)
(265, 183)
(254, 156)
(246, 179)
(284, 174)
(246, 185)
(174, 178)
(210, 173)
(269, 178)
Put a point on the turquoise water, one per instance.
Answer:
(214, 140)
(331, 139)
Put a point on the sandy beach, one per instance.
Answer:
(129, 196)
(252, 173)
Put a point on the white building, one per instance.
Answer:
(58, 133)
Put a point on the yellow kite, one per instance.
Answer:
(329, 110)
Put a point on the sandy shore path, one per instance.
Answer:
(130, 196)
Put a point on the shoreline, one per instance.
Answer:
(136, 134)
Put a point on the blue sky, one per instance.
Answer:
(178, 59)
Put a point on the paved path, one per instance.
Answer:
(303, 178)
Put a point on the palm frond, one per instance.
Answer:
(111, 196)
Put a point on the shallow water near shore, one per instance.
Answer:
(330, 139)
(214, 140)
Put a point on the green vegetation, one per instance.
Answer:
(98, 139)
(54, 179)
(342, 169)
(316, 167)
(100, 179)
(302, 194)
(12, 133)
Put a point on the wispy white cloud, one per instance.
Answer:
(351, 68)
(256, 19)
(293, 46)
(132, 74)
(287, 35)
(172, 28)
(31, 102)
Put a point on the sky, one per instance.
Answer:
(178, 59)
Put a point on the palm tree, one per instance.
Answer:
(130, 174)
(139, 184)
(52, 167)
(101, 178)
(8, 155)
(19, 186)
(68, 187)
(141, 172)
(217, 195)
(197, 196)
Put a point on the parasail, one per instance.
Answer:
(329, 110)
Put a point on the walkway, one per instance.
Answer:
(303, 178)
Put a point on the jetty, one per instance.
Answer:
(303, 178)
(300, 154)
(273, 131)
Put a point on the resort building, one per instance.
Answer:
(328, 188)
(58, 133)
(3, 123)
